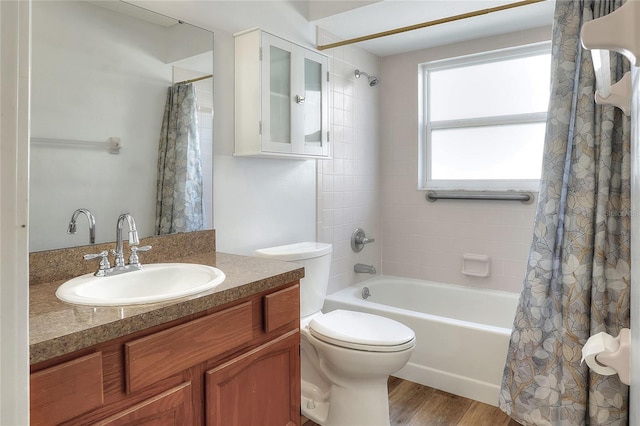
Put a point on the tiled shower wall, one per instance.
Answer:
(348, 184)
(427, 240)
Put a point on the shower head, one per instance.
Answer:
(373, 80)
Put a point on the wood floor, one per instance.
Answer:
(417, 405)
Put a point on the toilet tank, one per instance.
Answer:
(316, 259)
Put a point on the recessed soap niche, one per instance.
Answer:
(476, 265)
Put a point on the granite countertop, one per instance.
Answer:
(58, 328)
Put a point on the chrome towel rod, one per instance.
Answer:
(525, 197)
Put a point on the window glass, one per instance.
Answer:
(488, 89)
(484, 120)
(488, 152)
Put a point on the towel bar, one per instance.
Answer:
(112, 145)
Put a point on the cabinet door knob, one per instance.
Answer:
(299, 99)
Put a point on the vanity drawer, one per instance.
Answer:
(163, 354)
(281, 308)
(67, 390)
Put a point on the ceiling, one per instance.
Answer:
(351, 19)
(296, 19)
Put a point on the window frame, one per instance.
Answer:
(426, 126)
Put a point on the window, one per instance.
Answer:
(483, 120)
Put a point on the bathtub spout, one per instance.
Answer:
(364, 269)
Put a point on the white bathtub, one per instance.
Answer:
(462, 333)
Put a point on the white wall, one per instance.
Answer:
(348, 185)
(427, 240)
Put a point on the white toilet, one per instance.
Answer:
(346, 357)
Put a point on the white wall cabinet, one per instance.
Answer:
(281, 98)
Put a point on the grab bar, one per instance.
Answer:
(525, 197)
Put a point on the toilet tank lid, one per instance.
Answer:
(293, 252)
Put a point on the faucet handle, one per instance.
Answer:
(118, 259)
(104, 261)
(133, 258)
(359, 239)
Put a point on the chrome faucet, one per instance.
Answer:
(120, 267)
(92, 224)
(133, 238)
(361, 268)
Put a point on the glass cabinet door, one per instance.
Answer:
(280, 95)
(313, 101)
(294, 106)
(277, 73)
(315, 104)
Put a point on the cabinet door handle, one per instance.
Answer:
(300, 99)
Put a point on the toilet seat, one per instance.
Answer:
(362, 331)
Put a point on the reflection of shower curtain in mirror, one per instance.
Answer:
(179, 204)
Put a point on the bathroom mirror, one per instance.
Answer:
(99, 81)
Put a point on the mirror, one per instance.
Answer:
(99, 81)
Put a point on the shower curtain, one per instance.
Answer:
(179, 203)
(578, 273)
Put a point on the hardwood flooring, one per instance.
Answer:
(417, 405)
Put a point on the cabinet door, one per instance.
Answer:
(261, 387)
(277, 100)
(315, 106)
(170, 408)
(65, 391)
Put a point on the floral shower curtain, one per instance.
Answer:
(578, 273)
(179, 203)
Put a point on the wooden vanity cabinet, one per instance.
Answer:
(238, 364)
(260, 387)
(173, 407)
(66, 390)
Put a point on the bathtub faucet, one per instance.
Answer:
(364, 269)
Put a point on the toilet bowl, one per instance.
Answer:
(345, 357)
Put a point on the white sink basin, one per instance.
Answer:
(153, 283)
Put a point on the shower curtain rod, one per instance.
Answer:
(193, 80)
(428, 24)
